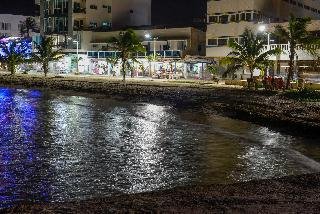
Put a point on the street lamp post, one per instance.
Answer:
(263, 28)
(149, 37)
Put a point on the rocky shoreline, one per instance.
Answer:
(269, 109)
(293, 194)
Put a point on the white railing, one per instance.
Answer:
(285, 47)
(302, 54)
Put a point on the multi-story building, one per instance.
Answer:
(10, 25)
(83, 27)
(12, 16)
(68, 18)
(227, 20)
(62, 18)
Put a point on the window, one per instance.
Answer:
(248, 17)
(107, 7)
(224, 19)
(242, 17)
(233, 18)
(5, 26)
(93, 24)
(222, 41)
(213, 19)
(212, 42)
(94, 7)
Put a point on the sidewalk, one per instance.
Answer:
(129, 79)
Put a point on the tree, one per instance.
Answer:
(213, 69)
(28, 25)
(113, 60)
(152, 58)
(128, 45)
(45, 53)
(296, 34)
(14, 53)
(249, 53)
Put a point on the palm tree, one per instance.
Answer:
(46, 54)
(128, 44)
(113, 60)
(249, 53)
(14, 53)
(152, 58)
(28, 25)
(296, 33)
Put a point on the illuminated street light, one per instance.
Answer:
(263, 28)
(148, 36)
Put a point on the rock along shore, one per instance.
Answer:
(266, 108)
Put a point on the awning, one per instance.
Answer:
(198, 59)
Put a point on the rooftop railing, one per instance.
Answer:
(162, 54)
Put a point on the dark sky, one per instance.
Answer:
(25, 7)
(179, 12)
(164, 12)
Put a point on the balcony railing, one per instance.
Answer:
(285, 47)
(176, 54)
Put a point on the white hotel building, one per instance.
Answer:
(227, 20)
(10, 22)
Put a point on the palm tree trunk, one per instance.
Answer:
(124, 70)
(12, 68)
(291, 64)
(45, 68)
(252, 83)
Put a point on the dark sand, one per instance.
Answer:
(296, 194)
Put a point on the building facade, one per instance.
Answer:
(227, 19)
(63, 19)
(66, 18)
(10, 25)
(11, 17)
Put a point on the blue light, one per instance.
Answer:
(20, 46)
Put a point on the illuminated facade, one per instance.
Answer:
(64, 18)
(227, 19)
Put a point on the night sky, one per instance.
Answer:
(179, 12)
(164, 12)
(25, 7)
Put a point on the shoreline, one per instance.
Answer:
(265, 108)
(292, 194)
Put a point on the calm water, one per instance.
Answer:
(61, 147)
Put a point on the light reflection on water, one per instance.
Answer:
(59, 147)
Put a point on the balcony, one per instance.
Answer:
(223, 51)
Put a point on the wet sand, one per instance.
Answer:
(295, 194)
